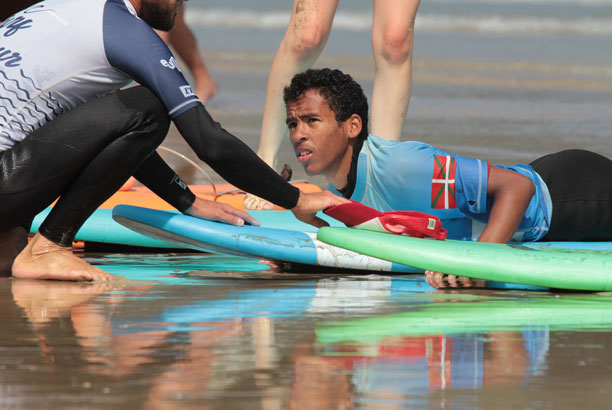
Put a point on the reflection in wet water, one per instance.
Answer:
(191, 331)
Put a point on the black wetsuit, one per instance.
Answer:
(59, 138)
(580, 186)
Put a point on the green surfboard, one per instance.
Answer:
(575, 312)
(589, 270)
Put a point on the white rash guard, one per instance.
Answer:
(59, 54)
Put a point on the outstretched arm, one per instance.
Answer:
(511, 193)
(156, 175)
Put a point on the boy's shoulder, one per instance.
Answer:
(381, 147)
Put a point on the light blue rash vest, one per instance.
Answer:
(415, 176)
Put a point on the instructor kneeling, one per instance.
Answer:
(65, 132)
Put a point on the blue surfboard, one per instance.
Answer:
(264, 242)
(100, 227)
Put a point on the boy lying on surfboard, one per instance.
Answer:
(558, 197)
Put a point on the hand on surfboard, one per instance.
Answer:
(310, 203)
(218, 211)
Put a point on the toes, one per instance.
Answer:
(101, 277)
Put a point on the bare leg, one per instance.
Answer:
(184, 42)
(11, 243)
(392, 45)
(305, 38)
(43, 259)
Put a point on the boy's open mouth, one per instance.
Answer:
(303, 155)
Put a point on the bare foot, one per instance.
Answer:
(11, 243)
(45, 300)
(43, 259)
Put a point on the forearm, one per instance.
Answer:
(233, 159)
(511, 193)
(506, 215)
(156, 175)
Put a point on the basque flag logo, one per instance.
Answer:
(443, 182)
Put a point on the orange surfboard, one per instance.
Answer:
(226, 193)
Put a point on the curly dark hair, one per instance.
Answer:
(343, 94)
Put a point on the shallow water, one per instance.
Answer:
(203, 331)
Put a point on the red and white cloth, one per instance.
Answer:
(412, 223)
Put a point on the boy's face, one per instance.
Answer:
(320, 143)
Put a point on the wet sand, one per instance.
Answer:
(180, 331)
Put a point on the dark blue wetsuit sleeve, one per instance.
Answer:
(133, 47)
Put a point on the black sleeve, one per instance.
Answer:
(233, 159)
(156, 175)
